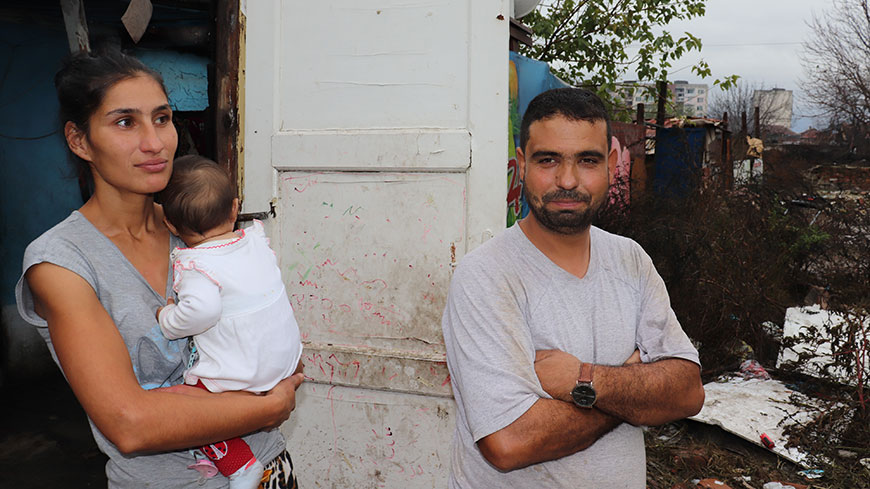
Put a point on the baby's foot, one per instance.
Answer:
(249, 476)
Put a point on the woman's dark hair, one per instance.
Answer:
(82, 83)
(199, 195)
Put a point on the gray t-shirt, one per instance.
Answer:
(507, 300)
(78, 246)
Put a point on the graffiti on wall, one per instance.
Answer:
(620, 175)
(628, 174)
(515, 188)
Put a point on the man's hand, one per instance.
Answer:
(168, 301)
(634, 358)
(558, 372)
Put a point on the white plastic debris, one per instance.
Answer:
(811, 326)
(812, 473)
(750, 407)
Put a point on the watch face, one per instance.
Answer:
(583, 395)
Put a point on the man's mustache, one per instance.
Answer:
(570, 195)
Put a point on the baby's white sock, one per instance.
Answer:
(249, 476)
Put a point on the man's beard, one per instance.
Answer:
(568, 222)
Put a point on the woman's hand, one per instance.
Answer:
(285, 395)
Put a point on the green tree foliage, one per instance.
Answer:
(587, 41)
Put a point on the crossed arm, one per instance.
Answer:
(97, 366)
(636, 393)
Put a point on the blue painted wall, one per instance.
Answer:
(37, 184)
(185, 76)
(36, 190)
(679, 159)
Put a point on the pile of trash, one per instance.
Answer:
(763, 411)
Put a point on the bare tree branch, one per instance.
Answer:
(836, 64)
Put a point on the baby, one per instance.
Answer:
(231, 301)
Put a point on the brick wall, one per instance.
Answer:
(841, 178)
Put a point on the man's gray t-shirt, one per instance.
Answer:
(507, 300)
(75, 244)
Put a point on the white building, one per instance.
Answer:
(633, 93)
(776, 104)
(691, 96)
(685, 98)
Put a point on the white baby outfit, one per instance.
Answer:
(232, 300)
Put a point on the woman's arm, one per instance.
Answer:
(97, 366)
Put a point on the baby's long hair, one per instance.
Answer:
(199, 196)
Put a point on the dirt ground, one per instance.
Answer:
(46, 442)
(682, 453)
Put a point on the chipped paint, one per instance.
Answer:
(418, 372)
(369, 153)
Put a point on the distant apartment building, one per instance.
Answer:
(633, 93)
(684, 98)
(692, 97)
(775, 105)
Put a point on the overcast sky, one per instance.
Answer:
(760, 40)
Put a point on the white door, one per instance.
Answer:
(377, 131)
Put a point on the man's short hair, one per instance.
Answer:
(572, 103)
(199, 196)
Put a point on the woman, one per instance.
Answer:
(92, 283)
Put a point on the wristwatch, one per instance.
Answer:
(583, 392)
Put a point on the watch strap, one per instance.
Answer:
(586, 370)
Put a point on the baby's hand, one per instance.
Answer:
(168, 301)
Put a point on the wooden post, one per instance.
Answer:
(638, 181)
(727, 164)
(757, 126)
(660, 114)
(227, 91)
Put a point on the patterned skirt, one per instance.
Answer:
(279, 473)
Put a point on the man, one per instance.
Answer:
(560, 337)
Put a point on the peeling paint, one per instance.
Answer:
(389, 370)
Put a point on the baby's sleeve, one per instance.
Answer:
(198, 306)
